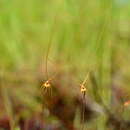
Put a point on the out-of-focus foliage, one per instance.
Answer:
(85, 35)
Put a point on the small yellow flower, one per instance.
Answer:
(82, 89)
(47, 84)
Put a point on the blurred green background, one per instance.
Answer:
(84, 35)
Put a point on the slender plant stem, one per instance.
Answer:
(83, 111)
(50, 44)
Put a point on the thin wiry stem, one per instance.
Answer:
(49, 45)
(83, 90)
(83, 111)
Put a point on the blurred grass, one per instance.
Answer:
(87, 35)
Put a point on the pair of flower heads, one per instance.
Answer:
(83, 89)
